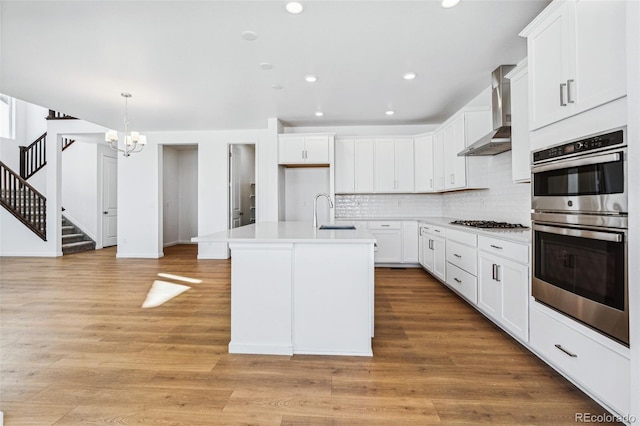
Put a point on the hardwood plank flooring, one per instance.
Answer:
(77, 348)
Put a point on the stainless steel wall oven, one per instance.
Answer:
(579, 198)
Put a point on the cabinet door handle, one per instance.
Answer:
(493, 272)
(431, 244)
(452, 178)
(496, 247)
(457, 280)
(572, 355)
(385, 225)
(457, 255)
(562, 102)
(430, 183)
(498, 273)
(569, 97)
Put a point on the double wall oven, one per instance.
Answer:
(580, 216)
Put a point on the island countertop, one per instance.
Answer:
(287, 232)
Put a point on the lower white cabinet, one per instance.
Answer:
(600, 366)
(432, 250)
(503, 292)
(410, 242)
(388, 241)
(462, 282)
(461, 264)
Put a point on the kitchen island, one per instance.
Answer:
(296, 289)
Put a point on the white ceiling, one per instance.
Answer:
(188, 67)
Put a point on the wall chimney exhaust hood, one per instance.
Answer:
(499, 139)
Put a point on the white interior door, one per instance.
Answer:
(109, 201)
(235, 189)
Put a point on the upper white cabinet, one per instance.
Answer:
(423, 163)
(303, 149)
(452, 172)
(344, 165)
(393, 165)
(577, 58)
(364, 172)
(438, 164)
(520, 134)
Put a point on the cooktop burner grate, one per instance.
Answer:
(488, 224)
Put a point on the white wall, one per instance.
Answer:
(139, 217)
(504, 200)
(31, 123)
(170, 199)
(301, 186)
(80, 186)
(15, 238)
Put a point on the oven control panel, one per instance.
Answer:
(582, 145)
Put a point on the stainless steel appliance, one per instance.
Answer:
(499, 139)
(579, 197)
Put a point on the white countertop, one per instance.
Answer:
(515, 235)
(286, 232)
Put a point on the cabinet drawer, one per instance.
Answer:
(374, 224)
(434, 229)
(462, 237)
(462, 256)
(600, 370)
(508, 249)
(462, 282)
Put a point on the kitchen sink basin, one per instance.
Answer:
(341, 227)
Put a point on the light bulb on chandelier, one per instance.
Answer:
(133, 142)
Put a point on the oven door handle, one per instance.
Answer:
(577, 162)
(594, 235)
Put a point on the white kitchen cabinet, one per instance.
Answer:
(410, 243)
(461, 263)
(573, 68)
(462, 130)
(353, 165)
(503, 293)
(344, 162)
(388, 240)
(394, 163)
(432, 250)
(455, 168)
(438, 157)
(423, 163)
(364, 172)
(520, 134)
(303, 149)
(600, 366)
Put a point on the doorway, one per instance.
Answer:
(242, 185)
(109, 201)
(179, 194)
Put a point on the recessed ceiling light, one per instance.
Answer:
(266, 66)
(409, 75)
(390, 112)
(319, 113)
(310, 78)
(249, 35)
(276, 86)
(447, 4)
(294, 7)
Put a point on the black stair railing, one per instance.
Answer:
(33, 157)
(23, 201)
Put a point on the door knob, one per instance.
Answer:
(105, 212)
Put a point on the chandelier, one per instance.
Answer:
(133, 142)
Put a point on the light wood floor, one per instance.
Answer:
(77, 349)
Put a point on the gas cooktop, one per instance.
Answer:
(488, 224)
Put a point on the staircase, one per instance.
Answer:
(73, 239)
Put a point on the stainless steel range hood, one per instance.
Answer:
(499, 139)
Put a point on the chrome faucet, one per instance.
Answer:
(315, 207)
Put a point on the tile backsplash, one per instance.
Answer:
(372, 206)
(504, 200)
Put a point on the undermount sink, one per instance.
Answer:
(341, 227)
